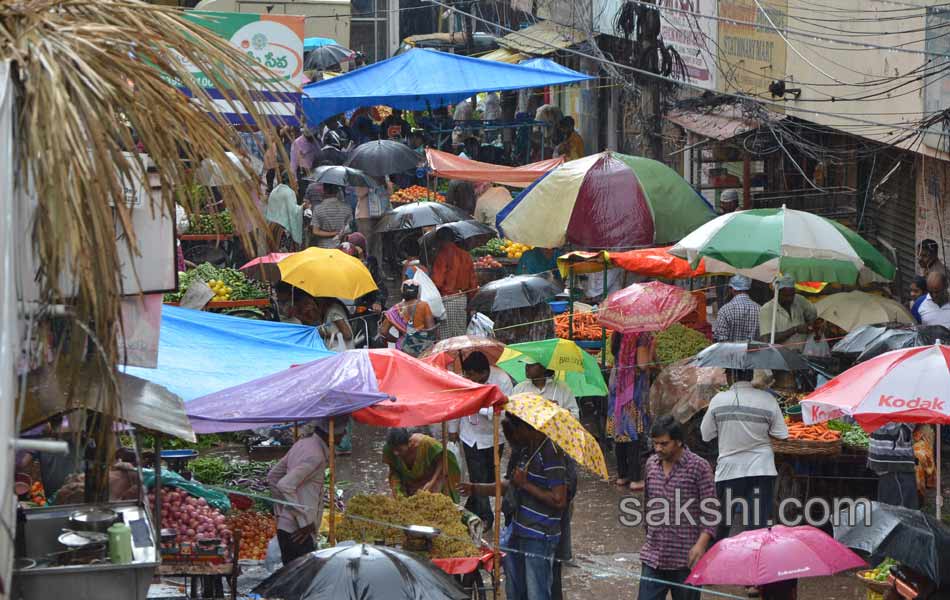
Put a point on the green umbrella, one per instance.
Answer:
(589, 382)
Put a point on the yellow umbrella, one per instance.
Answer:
(562, 428)
(850, 310)
(327, 273)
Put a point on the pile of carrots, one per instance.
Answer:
(585, 326)
(811, 433)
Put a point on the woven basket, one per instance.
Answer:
(855, 449)
(880, 587)
(807, 447)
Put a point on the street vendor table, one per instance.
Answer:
(209, 572)
(843, 475)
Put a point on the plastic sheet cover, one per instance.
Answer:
(360, 572)
(200, 352)
(334, 386)
(682, 389)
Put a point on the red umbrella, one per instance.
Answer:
(651, 306)
(456, 349)
(763, 556)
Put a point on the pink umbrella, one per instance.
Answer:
(265, 267)
(763, 556)
(651, 306)
(273, 257)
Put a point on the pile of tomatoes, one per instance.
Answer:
(416, 193)
(256, 529)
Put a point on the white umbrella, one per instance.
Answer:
(850, 310)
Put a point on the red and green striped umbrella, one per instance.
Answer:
(608, 200)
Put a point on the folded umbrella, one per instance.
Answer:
(651, 306)
(779, 553)
(327, 273)
(561, 427)
(748, 356)
(850, 310)
(384, 157)
(910, 537)
(342, 176)
(416, 215)
(359, 572)
(514, 291)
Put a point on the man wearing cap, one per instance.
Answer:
(794, 317)
(541, 381)
(738, 320)
(298, 478)
(728, 202)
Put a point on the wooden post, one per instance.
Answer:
(331, 538)
(496, 421)
(445, 457)
(296, 431)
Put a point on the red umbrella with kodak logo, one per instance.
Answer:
(911, 385)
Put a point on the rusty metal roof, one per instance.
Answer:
(542, 39)
(721, 123)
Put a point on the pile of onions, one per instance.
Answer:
(192, 517)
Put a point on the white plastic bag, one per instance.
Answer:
(481, 326)
(814, 347)
(429, 294)
(273, 561)
(456, 449)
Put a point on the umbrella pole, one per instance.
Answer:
(939, 487)
(774, 310)
(331, 538)
(603, 330)
(445, 453)
(496, 422)
(570, 298)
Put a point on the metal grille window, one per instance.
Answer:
(369, 29)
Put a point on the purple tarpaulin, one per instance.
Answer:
(328, 387)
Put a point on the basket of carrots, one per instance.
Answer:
(808, 440)
(586, 326)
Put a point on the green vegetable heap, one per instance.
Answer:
(492, 248)
(241, 288)
(851, 435)
(214, 223)
(678, 342)
(881, 571)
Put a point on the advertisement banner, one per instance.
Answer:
(693, 36)
(751, 52)
(274, 41)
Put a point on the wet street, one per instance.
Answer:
(606, 561)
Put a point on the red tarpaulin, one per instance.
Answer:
(424, 394)
(450, 166)
(655, 262)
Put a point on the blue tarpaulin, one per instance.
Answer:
(200, 353)
(546, 64)
(421, 79)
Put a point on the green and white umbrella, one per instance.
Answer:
(767, 243)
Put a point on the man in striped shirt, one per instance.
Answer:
(538, 492)
(675, 479)
(738, 319)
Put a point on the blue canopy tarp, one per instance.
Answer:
(421, 79)
(546, 64)
(200, 353)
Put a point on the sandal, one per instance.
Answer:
(637, 486)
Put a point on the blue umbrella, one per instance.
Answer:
(316, 42)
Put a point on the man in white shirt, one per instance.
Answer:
(745, 420)
(540, 381)
(476, 433)
(935, 310)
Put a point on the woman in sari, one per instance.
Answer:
(416, 465)
(413, 319)
(627, 419)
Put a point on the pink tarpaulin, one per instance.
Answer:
(451, 166)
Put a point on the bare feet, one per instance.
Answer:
(622, 482)
(636, 486)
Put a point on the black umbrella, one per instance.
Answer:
(415, 215)
(342, 176)
(327, 56)
(858, 339)
(384, 157)
(910, 537)
(360, 572)
(514, 291)
(470, 232)
(908, 337)
(750, 355)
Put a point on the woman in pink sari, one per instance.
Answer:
(413, 319)
(627, 419)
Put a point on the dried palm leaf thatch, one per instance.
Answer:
(88, 74)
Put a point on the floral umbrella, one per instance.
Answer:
(651, 306)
